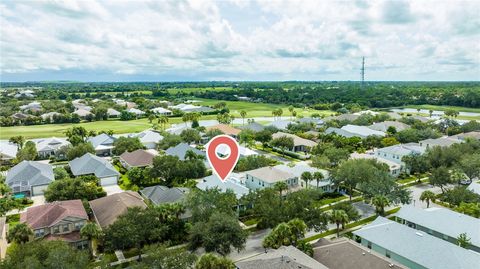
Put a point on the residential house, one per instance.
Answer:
(30, 178)
(188, 108)
(420, 118)
(396, 153)
(464, 136)
(103, 144)
(49, 147)
(438, 222)
(33, 107)
(333, 255)
(226, 129)
(164, 195)
(280, 124)
(235, 182)
(224, 150)
(394, 168)
(106, 210)
(82, 112)
(113, 113)
(441, 142)
(138, 113)
(341, 132)
(177, 129)
(317, 123)
(413, 248)
(181, 149)
(266, 177)
(285, 257)
(50, 116)
(383, 126)
(299, 144)
(149, 138)
(362, 131)
(161, 111)
(60, 220)
(343, 117)
(253, 126)
(90, 164)
(20, 117)
(137, 158)
(8, 152)
(299, 168)
(3, 237)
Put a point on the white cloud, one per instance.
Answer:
(191, 39)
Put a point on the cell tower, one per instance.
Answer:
(362, 71)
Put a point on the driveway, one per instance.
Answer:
(112, 189)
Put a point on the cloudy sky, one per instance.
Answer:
(239, 40)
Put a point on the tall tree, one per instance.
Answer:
(17, 140)
(243, 114)
(20, 233)
(163, 120)
(129, 144)
(307, 177)
(380, 202)
(284, 143)
(440, 177)
(212, 261)
(28, 152)
(339, 217)
(160, 257)
(318, 176)
(92, 232)
(427, 196)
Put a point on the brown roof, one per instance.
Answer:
(48, 215)
(226, 129)
(108, 209)
(347, 254)
(138, 158)
(70, 237)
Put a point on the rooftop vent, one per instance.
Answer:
(419, 233)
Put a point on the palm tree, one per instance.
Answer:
(380, 202)
(307, 177)
(151, 117)
(163, 120)
(318, 176)
(279, 113)
(190, 155)
(243, 114)
(274, 114)
(280, 187)
(17, 140)
(20, 233)
(427, 196)
(294, 114)
(463, 240)
(291, 109)
(186, 118)
(339, 217)
(92, 232)
(430, 112)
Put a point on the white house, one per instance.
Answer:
(162, 111)
(149, 138)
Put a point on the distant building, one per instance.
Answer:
(413, 248)
(299, 168)
(60, 220)
(50, 116)
(254, 126)
(441, 142)
(343, 117)
(280, 124)
(442, 223)
(8, 151)
(383, 126)
(226, 129)
(49, 147)
(317, 123)
(30, 178)
(396, 153)
(159, 195)
(362, 131)
(149, 138)
(113, 113)
(82, 113)
(162, 111)
(135, 111)
(299, 144)
(181, 149)
(394, 168)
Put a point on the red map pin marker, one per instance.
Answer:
(222, 167)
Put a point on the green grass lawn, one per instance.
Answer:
(118, 127)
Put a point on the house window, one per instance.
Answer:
(56, 229)
(369, 245)
(65, 228)
(39, 232)
(78, 225)
(387, 253)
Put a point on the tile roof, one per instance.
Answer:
(35, 173)
(226, 129)
(108, 209)
(416, 246)
(50, 144)
(441, 220)
(102, 139)
(138, 158)
(91, 164)
(113, 112)
(383, 126)
(49, 214)
(270, 174)
(162, 194)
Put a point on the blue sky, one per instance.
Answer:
(239, 40)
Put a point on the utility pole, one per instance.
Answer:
(362, 72)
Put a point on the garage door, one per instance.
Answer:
(108, 181)
(38, 190)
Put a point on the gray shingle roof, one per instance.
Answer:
(181, 149)
(341, 132)
(383, 126)
(91, 164)
(311, 120)
(231, 183)
(35, 173)
(417, 246)
(163, 194)
(441, 220)
(102, 139)
(270, 174)
(254, 126)
(285, 257)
